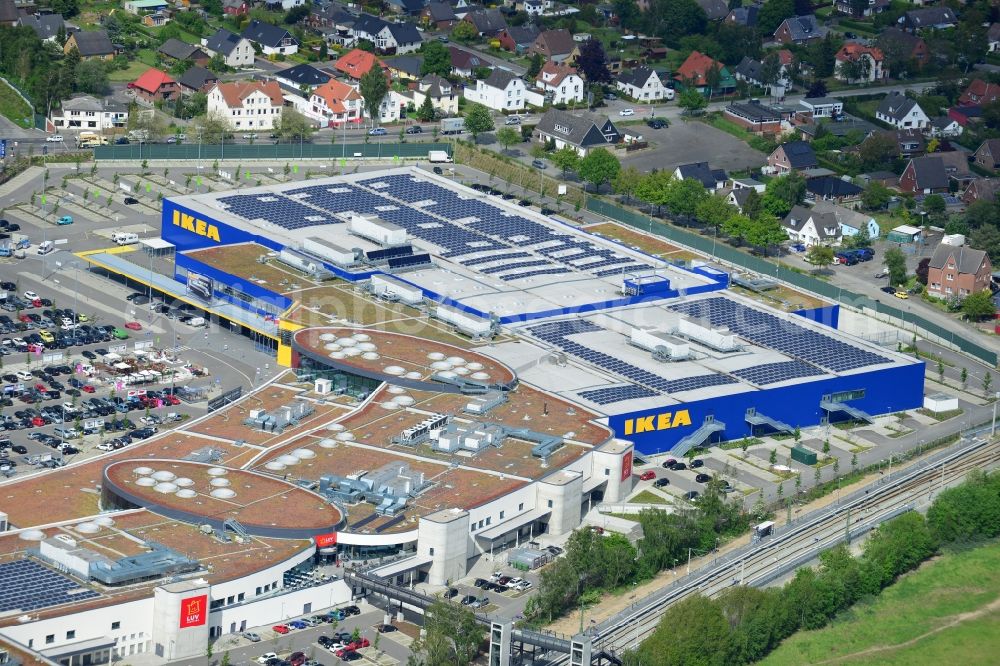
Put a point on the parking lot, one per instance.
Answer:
(684, 142)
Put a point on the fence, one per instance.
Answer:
(266, 151)
(711, 246)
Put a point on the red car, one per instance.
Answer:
(358, 644)
(25, 318)
(280, 629)
(87, 388)
(40, 387)
(133, 326)
(37, 421)
(647, 475)
(173, 399)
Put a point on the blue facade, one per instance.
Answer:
(888, 390)
(828, 315)
(273, 303)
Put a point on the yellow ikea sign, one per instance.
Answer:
(654, 422)
(196, 226)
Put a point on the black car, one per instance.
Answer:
(657, 123)
(696, 463)
(702, 478)
(19, 448)
(888, 290)
(480, 583)
(351, 656)
(438, 171)
(468, 600)
(352, 610)
(555, 550)
(325, 641)
(548, 211)
(89, 355)
(416, 129)
(659, 483)
(8, 286)
(130, 201)
(691, 495)
(679, 466)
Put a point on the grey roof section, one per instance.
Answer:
(758, 113)
(434, 86)
(499, 79)
(636, 77)
(896, 106)
(303, 75)
(197, 77)
(967, 259)
(82, 103)
(580, 129)
(487, 21)
(800, 154)
(405, 33)
(405, 63)
(465, 60)
(715, 10)
(832, 187)
(703, 173)
(45, 26)
(223, 41)
(523, 35)
(8, 11)
(929, 17)
(266, 34)
(929, 172)
(441, 11)
(93, 43)
(826, 224)
(749, 69)
(179, 50)
(369, 24)
(744, 15)
(805, 27)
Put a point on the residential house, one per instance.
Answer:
(958, 271)
(439, 16)
(282, 5)
(909, 142)
(198, 79)
(745, 16)
(851, 222)
(715, 10)
(987, 155)
(810, 227)
(444, 96)
(978, 93)
(174, 50)
(557, 45)
(235, 7)
(711, 179)
(404, 68)
(560, 83)
(465, 63)
(302, 78)
(901, 112)
(139, 7)
(487, 22)
(981, 189)
(271, 39)
(518, 39)
(832, 188)
(500, 91)
(694, 70)
(755, 117)
(924, 175)
(91, 45)
(737, 197)
(643, 84)
(335, 103)
(792, 156)
(859, 10)
(388, 38)
(814, 108)
(937, 18)
(750, 70)
(8, 12)
(533, 7)
(235, 50)
(895, 40)
(155, 86)
(800, 30)
(581, 131)
(856, 62)
(945, 127)
(46, 26)
(407, 7)
(357, 63)
(966, 115)
(247, 105)
(84, 112)
(993, 38)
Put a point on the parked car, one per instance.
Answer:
(512, 120)
(280, 629)
(55, 138)
(538, 164)
(661, 482)
(377, 131)
(647, 475)
(901, 294)
(416, 129)
(130, 201)
(702, 478)
(65, 219)
(657, 123)
(696, 463)
(133, 326)
(251, 636)
(627, 112)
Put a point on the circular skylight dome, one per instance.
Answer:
(223, 493)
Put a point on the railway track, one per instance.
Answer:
(794, 545)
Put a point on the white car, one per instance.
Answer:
(263, 659)
(69, 327)
(627, 112)
(30, 296)
(55, 138)
(514, 582)
(523, 585)
(513, 120)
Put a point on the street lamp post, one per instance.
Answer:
(993, 427)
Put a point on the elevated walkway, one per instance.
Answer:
(758, 420)
(833, 407)
(703, 434)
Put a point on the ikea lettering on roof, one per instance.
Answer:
(196, 226)
(654, 422)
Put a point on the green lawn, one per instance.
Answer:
(945, 613)
(134, 71)
(13, 107)
(647, 497)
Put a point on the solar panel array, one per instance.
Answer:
(772, 373)
(557, 333)
(26, 586)
(767, 330)
(611, 394)
(276, 209)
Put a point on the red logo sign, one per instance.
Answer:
(627, 465)
(194, 611)
(326, 540)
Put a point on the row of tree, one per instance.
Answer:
(595, 563)
(743, 624)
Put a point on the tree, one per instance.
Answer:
(737, 227)
(713, 77)
(964, 377)
(683, 196)
(68, 8)
(823, 56)
(692, 626)
(324, 53)
(566, 158)
(592, 62)
(935, 206)
(464, 32)
(987, 239)
(671, 20)
(979, 305)
(627, 181)
(507, 136)
(213, 127)
(773, 457)
(987, 382)
(599, 167)
(437, 59)
(820, 256)
(895, 262)
(875, 196)
(817, 89)
(691, 101)
(789, 189)
(878, 151)
(373, 88)
(736, 42)
(713, 211)
(426, 111)
(92, 77)
(293, 125)
(457, 628)
(478, 120)
(770, 70)
(534, 66)
(753, 206)
(773, 13)
(296, 14)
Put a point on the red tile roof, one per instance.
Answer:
(335, 93)
(552, 73)
(980, 92)
(695, 67)
(234, 93)
(357, 63)
(852, 51)
(152, 80)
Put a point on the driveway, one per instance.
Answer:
(686, 142)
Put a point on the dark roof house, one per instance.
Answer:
(800, 30)
(487, 22)
(582, 131)
(178, 50)
(46, 26)
(198, 79)
(266, 34)
(711, 179)
(92, 43)
(303, 75)
(832, 188)
(939, 18)
(223, 41)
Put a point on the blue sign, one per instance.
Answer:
(3, 148)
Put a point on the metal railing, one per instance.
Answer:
(267, 151)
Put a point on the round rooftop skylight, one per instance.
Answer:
(362, 337)
(304, 454)
(394, 370)
(145, 482)
(184, 482)
(223, 493)
(436, 356)
(327, 337)
(274, 466)
(164, 475)
(142, 471)
(88, 528)
(31, 535)
(185, 493)
(218, 471)
(165, 488)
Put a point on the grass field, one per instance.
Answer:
(13, 107)
(947, 612)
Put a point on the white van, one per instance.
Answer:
(46, 246)
(196, 322)
(123, 238)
